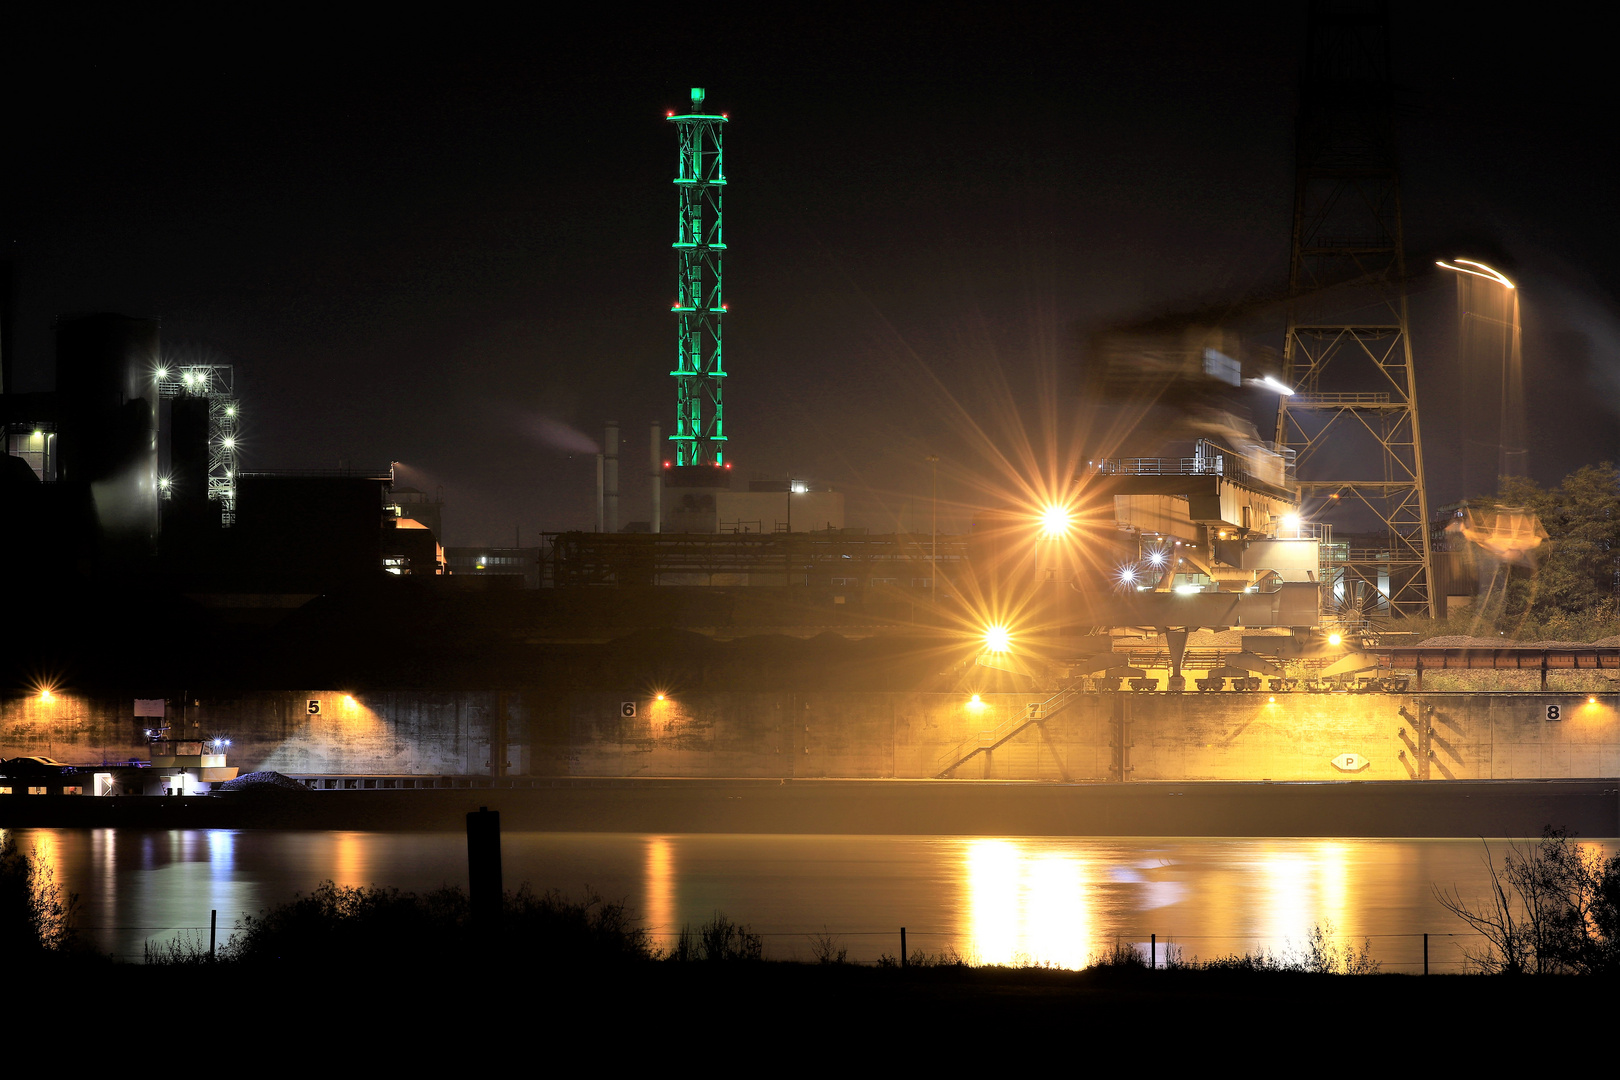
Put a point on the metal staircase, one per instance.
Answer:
(986, 741)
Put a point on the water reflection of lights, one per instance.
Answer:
(1288, 910)
(660, 885)
(1025, 905)
(349, 859)
(993, 901)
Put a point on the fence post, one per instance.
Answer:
(1425, 954)
(1153, 951)
(213, 924)
(902, 946)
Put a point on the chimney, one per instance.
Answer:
(610, 477)
(655, 456)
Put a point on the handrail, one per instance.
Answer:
(989, 740)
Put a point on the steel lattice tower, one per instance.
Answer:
(216, 382)
(1354, 429)
(700, 432)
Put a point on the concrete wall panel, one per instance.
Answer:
(1225, 736)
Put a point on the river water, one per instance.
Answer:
(1009, 899)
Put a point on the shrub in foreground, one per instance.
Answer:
(384, 926)
(36, 915)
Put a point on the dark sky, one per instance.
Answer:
(446, 243)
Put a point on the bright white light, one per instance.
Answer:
(1273, 384)
(1127, 576)
(229, 442)
(162, 373)
(1488, 272)
(1334, 639)
(997, 639)
(1291, 522)
(1156, 558)
(1055, 520)
(1185, 589)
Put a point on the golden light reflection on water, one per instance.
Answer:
(1059, 902)
(349, 859)
(660, 886)
(1053, 900)
(1024, 906)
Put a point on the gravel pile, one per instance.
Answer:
(261, 781)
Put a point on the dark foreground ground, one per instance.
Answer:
(792, 1018)
(1445, 808)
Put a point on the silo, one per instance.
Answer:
(106, 392)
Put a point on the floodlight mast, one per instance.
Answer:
(700, 434)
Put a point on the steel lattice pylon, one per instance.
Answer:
(700, 433)
(1353, 419)
(216, 383)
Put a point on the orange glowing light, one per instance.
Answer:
(46, 696)
(1489, 273)
(1056, 520)
(660, 697)
(997, 638)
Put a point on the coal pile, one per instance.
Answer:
(261, 781)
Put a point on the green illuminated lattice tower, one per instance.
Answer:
(700, 433)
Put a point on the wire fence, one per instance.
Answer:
(1431, 952)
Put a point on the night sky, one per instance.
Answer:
(447, 243)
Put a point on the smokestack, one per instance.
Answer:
(655, 454)
(598, 492)
(610, 477)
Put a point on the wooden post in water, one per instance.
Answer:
(213, 925)
(1425, 954)
(902, 946)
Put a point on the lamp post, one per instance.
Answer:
(933, 518)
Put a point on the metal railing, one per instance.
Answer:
(1034, 712)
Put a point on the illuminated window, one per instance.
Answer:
(36, 791)
(73, 791)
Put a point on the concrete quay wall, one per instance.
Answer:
(1175, 737)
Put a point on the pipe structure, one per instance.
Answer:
(610, 466)
(599, 499)
(655, 462)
